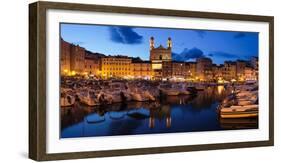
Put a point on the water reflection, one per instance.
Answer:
(220, 89)
(239, 123)
(169, 114)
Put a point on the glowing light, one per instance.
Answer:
(220, 80)
(73, 73)
(156, 66)
(220, 89)
(241, 79)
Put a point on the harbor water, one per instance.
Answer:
(170, 114)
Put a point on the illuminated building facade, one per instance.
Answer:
(179, 70)
(229, 71)
(159, 55)
(72, 59)
(240, 70)
(116, 66)
(250, 73)
(255, 64)
(141, 69)
(77, 59)
(92, 64)
(65, 57)
(204, 69)
(190, 70)
(217, 72)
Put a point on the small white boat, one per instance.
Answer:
(244, 102)
(148, 96)
(117, 92)
(138, 97)
(200, 87)
(104, 98)
(115, 96)
(88, 98)
(181, 87)
(67, 100)
(67, 97)
(248, 98)
(138, 94)
(168, 90)
(245, 111)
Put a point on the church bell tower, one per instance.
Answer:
(151, 43)
(169, 43)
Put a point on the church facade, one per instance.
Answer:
(158, 55)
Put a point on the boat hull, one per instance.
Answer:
(239, 114)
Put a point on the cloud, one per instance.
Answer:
(125, 35)
(223, 55)
(188, 54)
(239, 35)
(200, 33)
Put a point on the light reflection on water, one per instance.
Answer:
(167, 115)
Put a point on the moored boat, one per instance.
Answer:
(245, 111)
(88, 98)
(67, 100)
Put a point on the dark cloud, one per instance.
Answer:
(223, 55)
(188, 54)
(125, 35)
(239, 35)
(200, 33)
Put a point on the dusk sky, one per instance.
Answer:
(187, 45)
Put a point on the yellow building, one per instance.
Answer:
(116, 66)
(142, 70)
(92, 65)
(190, 71)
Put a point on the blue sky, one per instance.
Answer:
(187, 45)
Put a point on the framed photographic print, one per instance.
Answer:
(111, 81)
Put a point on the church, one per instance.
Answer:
(159, 55)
